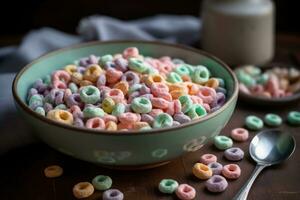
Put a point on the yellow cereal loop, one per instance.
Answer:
(61, 116)
(108, 105)
(202, 171)
(76, 77)
(177, 93)
(213, 83)
(85, 83)
(71, 69)
(111, 126)
(53, 171)
(139, 125)
(92, 73)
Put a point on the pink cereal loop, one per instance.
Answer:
(207, 94)
(196, 99)
(108, 118)
(68, 93)
(170, 110)
(130, 52)
(177, 106)
(239, 134)
(231, 171)
(208, 158)
(129, 118)
(95, 123)
(113, 75)
(116, 94)
(154, 112)
(158, 88)
(57, 84)
(185, 192)
(61, 75)
(159, 103)
(273, 84)
(124, 127)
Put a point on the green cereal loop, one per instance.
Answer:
(47, 80)
(137, 65)
(254, 123)
(36, 100)
(222, 142)
(200, 74)
(182, 70)
(263, 79)
(189, 67)
(173, 77)
(294, 118)
(196, 111)
(40, 110)
(134, 88)
(163, 120)
(186, 103)
(90, 94)
(167, 186)
(73, 87)
(61, 107)
(104, 59)
(141, 105)
(245, 78)
(118, 109)
(252, 70)
(102, 182)
(221, 82)
(273, 120)
(90, 112)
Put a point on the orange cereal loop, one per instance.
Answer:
(193, 88)
(83, 190)
(177, 93)
(212, 83)
(202, 171)
(76, 77)
(70, 69)
(123, 86)
(85, 83)
(176, 86)
(53, 171)
(92, 73)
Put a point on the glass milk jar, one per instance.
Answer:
(239, 31)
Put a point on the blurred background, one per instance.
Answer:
(19, 17)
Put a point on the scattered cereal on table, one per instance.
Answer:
(185, 192)
(216, 183)
(53, 171)
(83, 190)
(167, 186)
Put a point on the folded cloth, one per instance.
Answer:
(13, 130)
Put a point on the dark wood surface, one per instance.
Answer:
(21, 170)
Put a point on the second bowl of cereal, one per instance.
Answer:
(126, 104)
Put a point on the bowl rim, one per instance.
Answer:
(84, 130)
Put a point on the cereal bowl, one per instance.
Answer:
(130, 149)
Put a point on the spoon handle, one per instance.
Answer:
(243, 193)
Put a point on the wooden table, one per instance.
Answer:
(21, 170)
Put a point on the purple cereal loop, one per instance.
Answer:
(48, 107)
(216, 183)
(39, 86)
(101, 80)
(112, 194)
(216, 168)
(59, 97)
(121, 64)
(73, 99)
(130, 77)
(31, 92)
(81, 69)
(109, 64)
(78, 122)
(83, 62)
(92, 59)
(144, 90)
(222, 90)
(147, 118)
(181, 118)
(234, 154)
(176, 123)
(219, 100)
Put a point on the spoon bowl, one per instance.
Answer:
(267, 148)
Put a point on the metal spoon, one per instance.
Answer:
(267, 148)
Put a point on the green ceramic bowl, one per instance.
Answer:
(125, 150)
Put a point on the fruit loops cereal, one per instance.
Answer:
(239, 134)
(112, 194)
(127, 91)
(53, 171)
(216, 183)
(102, 182)
(208, 158)
(167, 186)
(83, 190)
(274, 83)
(231, 171)
(185, 192)
(234, 154)
(202, 171)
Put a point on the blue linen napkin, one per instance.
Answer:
(13, 130)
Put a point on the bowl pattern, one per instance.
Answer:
(125, 149)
